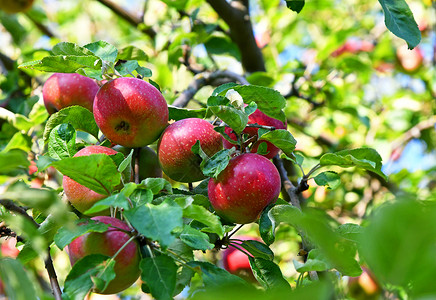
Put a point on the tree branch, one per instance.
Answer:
(203, 79)
(414, 132)
(11, 206)
(130, 18)
(44, 29)
(236, 15)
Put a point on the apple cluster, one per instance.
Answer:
(131, 113)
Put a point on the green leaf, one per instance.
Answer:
(268, 100)
(176, 113)
(156, 221)
(399, 20)
(156, 185)
(79, 117)
(67, 234)
(19, 141)
(330, 179)
(97, 172)
(201, 214)
(13, 160)
(11, 23)
(221, 90)
(295, 5)
(132, 53)
(62, 141)
(195, 238)
(216, 164)
(105, 275)
(260, 78)
(118, 200)
(127, 68)
(144, 72)
(398, 245)
(104, 50)
(214, 276)
(234, 118)
(126, 162)
(316, 261)
(350, 231)
(160, 275)
(281, 138)
(267, 273)
(79, 281)
(63, 63)
(366, 158)
(222, 45)
(66, 48)
(17, 283)
(257, 249)
(91, 73)
(267, 226)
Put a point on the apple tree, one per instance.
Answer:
(209, 148)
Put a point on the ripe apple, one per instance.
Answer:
(15, 6)
(81, 197)
(236, 262)
(410, 60)
(259, 118)
(108, 243)
(67, 89)
(148, 162)
(244, 188)
(130, 112)
(364, 286)
(174, 148)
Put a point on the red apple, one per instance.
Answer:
(259, 118)
(364, 286)
(108, 243)
(236, 262)
(174, 148)
(81, 197)
(410, 60)
(130, 112)
(15, 6)
(66, 89)
(246, 186)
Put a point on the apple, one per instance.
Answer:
(244, 188)
(81, 197)
(66, 89)
(174, 148)
(364, 286)
(108, 243)
(130, 112)
(236, 262)
(259, 118)
(15, 6)
(148, 162)
(410, 60)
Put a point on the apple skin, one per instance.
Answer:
(108, 243)
(410, 60)
(81, 197)
(66, 89)
(130, 112)
(259, 118)
(244, 188)
(148, 162)
(15, 6)
(236, 262)
(174, 148)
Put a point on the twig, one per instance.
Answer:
(236, 15)
(234, 231)
(11, 206)
(203, 79)
(287, 185)
(44, 29)
(133, 20)
(414, 132)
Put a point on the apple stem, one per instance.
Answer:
(237, 246)
(234, 231)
